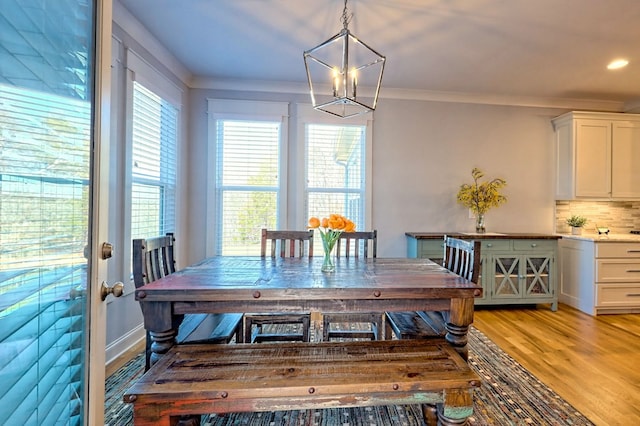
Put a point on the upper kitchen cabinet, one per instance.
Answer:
(596, 154)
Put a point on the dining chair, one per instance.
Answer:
(357, 325)
(154, 258)
(460, 257)
(281, 327)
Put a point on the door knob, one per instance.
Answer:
(117, 290)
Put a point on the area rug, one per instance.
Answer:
(509, 396)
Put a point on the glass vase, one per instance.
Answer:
(480, 229)
(327, 263)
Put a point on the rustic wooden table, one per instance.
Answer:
(255, 284)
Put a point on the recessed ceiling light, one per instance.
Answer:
(617, 64)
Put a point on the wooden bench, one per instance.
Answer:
(201, 379)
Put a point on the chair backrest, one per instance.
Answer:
(291, 243)
(462, 257)
(153, 258)
(354, 241)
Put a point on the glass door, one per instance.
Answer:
(49, 134)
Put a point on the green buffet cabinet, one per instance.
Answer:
(515, 269)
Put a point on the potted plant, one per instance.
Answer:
(481, 196)
(576, 222)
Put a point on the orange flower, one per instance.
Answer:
(350, 226)
(334, 222)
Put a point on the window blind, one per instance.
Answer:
(154, 163)
(335, 171)
(247, 182)
(44, 200)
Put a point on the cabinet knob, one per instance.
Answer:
(534, 245)
(489, 245)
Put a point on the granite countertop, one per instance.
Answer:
(483, 236)
(614, 238)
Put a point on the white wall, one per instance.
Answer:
(422, 152)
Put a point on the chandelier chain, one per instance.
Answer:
(346, 16)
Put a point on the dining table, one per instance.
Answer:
(224, 284)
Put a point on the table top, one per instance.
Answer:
(222, 278)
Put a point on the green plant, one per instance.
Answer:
(576, 221)
(481, 196)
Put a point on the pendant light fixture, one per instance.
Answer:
(344, 73)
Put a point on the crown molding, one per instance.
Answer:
(417, 95)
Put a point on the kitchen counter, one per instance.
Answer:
(484, 236)
(599, 273)
(613, 238)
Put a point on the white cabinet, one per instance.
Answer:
(600, 277)
(597, 156)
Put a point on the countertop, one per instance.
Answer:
(614, 238)
(485, 235)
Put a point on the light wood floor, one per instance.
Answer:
(592, 362)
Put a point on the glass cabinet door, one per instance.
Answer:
(537, 276)
(506, 280)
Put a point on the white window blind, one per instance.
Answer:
(247, 183)
(44, 217)
(335, 168)
(154, 158)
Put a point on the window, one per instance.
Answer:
(247, 183)
(154, 115)
(335, 171)
(248, 169)
(153, 169)
(253, 185)
(337, 167)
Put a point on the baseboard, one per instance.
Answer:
(123, 344)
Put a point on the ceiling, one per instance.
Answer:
(546, 50)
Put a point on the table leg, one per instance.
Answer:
(161, 342)
(162, 326)
(460, 317)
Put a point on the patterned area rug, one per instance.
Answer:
(509, 396)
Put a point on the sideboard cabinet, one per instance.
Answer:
(596, 156)
(513, 271)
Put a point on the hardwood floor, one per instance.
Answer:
(592, 362)
(121, 360)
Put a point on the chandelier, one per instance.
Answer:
(344, 73)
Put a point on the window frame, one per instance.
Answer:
(308, 115)
(224, 109)
(140, 71)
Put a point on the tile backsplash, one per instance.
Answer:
(619, 216)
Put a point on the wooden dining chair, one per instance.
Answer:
(460, 257)
(357, 325)
(154, 258)
(281, 327)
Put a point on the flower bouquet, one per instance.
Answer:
(330, 229)
(481, 196)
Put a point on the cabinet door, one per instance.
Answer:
(537, 276)
(625, 180)
(593, 158)
(506, 277)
